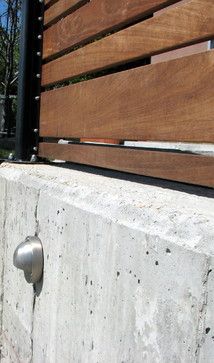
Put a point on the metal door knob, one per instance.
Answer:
(28, 257)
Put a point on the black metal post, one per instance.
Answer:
(29, 80)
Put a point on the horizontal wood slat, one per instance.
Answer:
(179, 26)
(61, 8)
(96, 17)
(187, 168)
(171, 101)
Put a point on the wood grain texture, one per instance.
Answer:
(185, 24)
(187, 168)
(181, 52)
(169, 101)
(61, 8)
(93, 19)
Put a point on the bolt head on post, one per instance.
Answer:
(33, 158)
(11, 157)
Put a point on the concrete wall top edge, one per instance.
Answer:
(184, 218)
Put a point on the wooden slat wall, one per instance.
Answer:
(168, 101)
(96, 17)
(171, 101)
(193, 169)
(174, 27)
(61, 8)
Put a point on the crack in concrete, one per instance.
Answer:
(36, 215)
(34, 286)
(201, 330)
(32, 327)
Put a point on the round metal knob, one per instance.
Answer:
(28, 257)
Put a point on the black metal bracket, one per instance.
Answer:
(29, 85)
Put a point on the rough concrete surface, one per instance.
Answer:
(128, 273)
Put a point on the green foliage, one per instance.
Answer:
(4, 153)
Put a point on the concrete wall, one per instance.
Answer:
(128, 273)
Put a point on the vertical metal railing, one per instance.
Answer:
(29, 80)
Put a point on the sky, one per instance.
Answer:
(2, 9)
(2, 5)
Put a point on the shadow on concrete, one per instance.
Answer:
(144, 180)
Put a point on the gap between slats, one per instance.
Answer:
(95, 19)
(175, 28)
(61, 9)
(49, 3)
